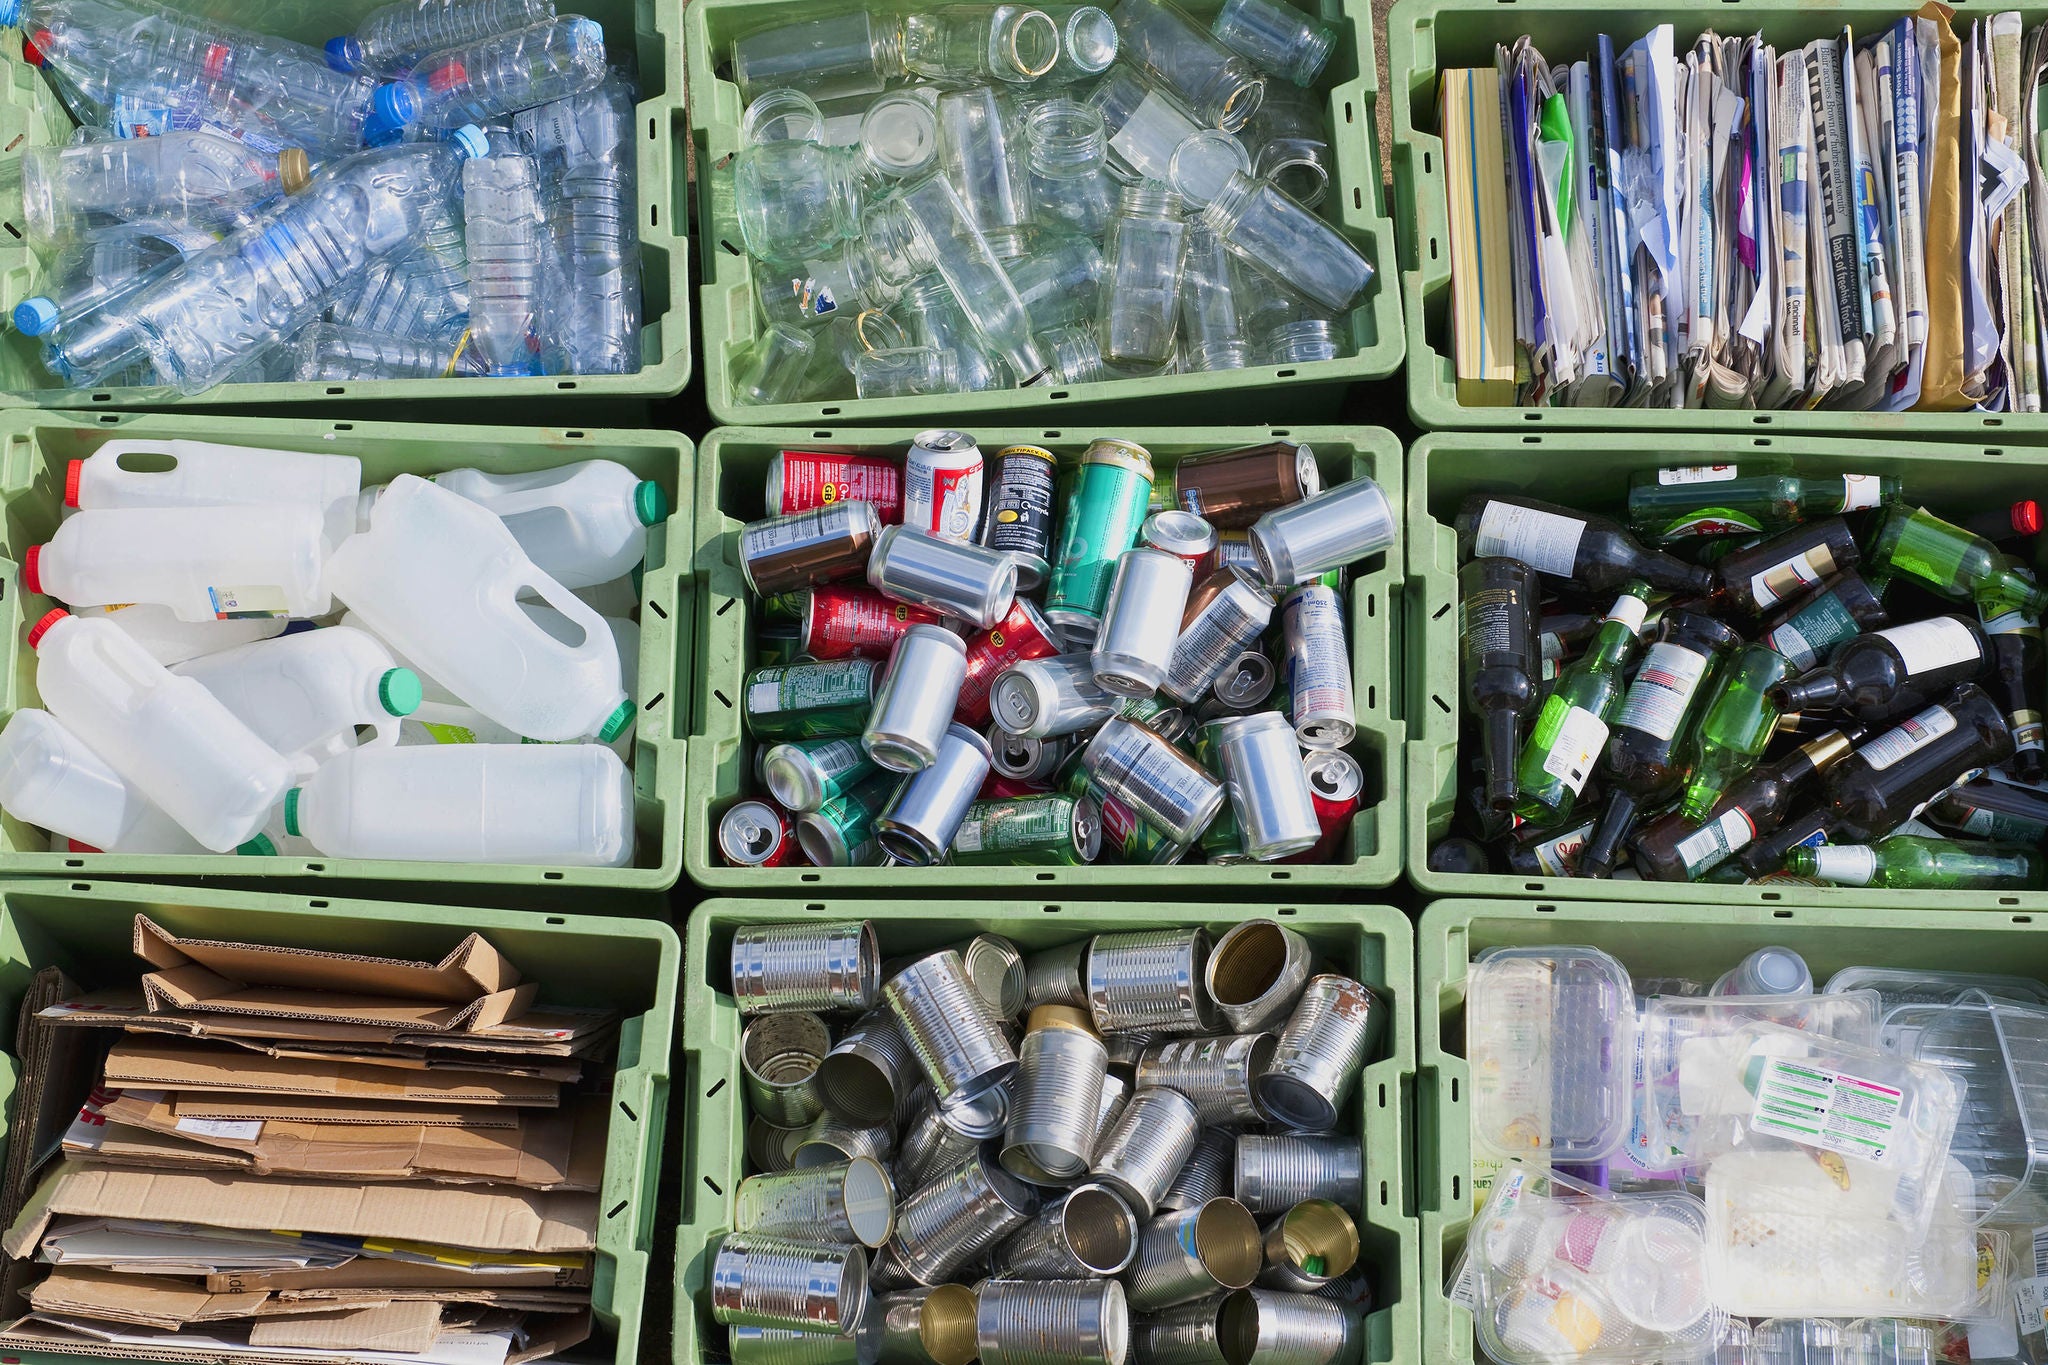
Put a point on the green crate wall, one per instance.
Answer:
(35, 449)
(1374, 944)
(730, 321)
(1426, 36)
(647, 31)
(731, 465)
(1592, 471)
(86, 928)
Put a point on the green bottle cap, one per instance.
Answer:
(399, 691)
(291, 813)
(615, 725)
(650, 504)
(258, 847)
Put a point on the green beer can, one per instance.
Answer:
(1107, 499)
(1029, 831)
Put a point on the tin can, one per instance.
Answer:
(1215, 1073)
(947, 1224)
(841, 833)
(1207, 1174)
(1274, 1173)
(755, 834)
(1080, 1321)
(1234, 551)
(1319, 692)
(843, 619)
(1146, 1147)
(919, 825)
(1140, 622)
(1150, 981)
(805, 968)
(1321, 1054)
(1052, 830)
(1055, 1098)
(841, 1203)
(950, 577)
(1336, 783)
(1090, 1232)
(804, 549)
(779, 1059)
(804, 774)
(759, 1281)
(799, 480)
(1268, 786)
(1025, 759)
(1155, 779)
(1043, 698)
(1123, 830)
(1196, 1253)
(914, 701)
(956, 1038)
(809, 700)
(1105, 505)
(1184, 536)
(1246, 681)
(865, 1077)
(1225, 616)
(1023, 634)
(1231, 489)
(1310, 1245)
(1333, 529)
(942, 485)
(1017, 522)
(928, 1325)
(1254, 974)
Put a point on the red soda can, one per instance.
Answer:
(1023, 634)
(1184, 536)
(756, 834)
(799, 480)
(1010, 788)
(845, 619)
(1336, 784)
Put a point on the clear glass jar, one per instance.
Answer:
(1143, 124)
(976, 155)
(1140, 311)
(772, 369)
(1220, 88)
(782, 115)
(814, 292)
(899, 135)
(796, 200)
(842, 343)
(962, 43)
(1073, 355)
(1088, 44)
(1290, 145)
(1059, 279)
(1276, 37)
(1286, 241)
(933, 319)
(1213, 335)
(906, 373)
(1304, 341)
(1067, 151)
(846, 54)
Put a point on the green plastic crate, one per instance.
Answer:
(35, 449)
(731, 467)
(86, 928)
(1591, 471)
(730, 321)
(1651, 940)
(1372, 943)
(649, 31)
(1424, 36)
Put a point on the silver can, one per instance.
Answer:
(805, 775)
(928, 1325)
(1165, 787)
(754, 834)
(1194, 1253)
(1145, 1149)
(770, 1148)
(1267, 1327)
(1090, 1231)
(1275, 1172)
(951, 578)
(1216, 1074)
(1189, 1334)
(1255, 973)
(847, 1201)
(759, 1281)
(1268, 786)
(1053, 1322)
(1225, 616)
(915, 699)
(951, 1032)
(996, 968)
(1056, 1099)
(830, 1140)
(1320, 700)
(1140, 622)
(1116, 1094)
(1046, 698)
(794, 968)
(869, 1072)
(1023, 758)
(1234, 551)
(803, 549)
(1337, 527)
(1246, 681)
(1182, 534)
(780, 1346)
(1321, 1054)
(930, 1146)
(942, 1228)
(1308, 1246)
(925, 814)
(1150, 981)
(942, 479)
(1207, 1174)
(779, 1059)
(1056, 976)
(983, 1117)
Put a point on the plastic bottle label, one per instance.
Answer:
(1860, 491)
(1813, 631)
(1581, 736)
(1832, 1110)
(248, 604)
(1846, 864)
(1712, 843)
(1791, 577)
(1912, 735)
(1927, 645)
(1545, 541)
(448, 734)
(1663, 689)
(1631, 612)
(1696, 473)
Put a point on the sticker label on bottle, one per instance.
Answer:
(1631, 612)
(1815, 629)
(1581, 736)
(1860, 491)
(1791, 577)
(1712, 843)
(1545, 541)
(248, 604)
(442, 733)
(1559, 857)
(2026, 729)
(1927, 645)
(1832, 1110)
(1663, 689)
(1696, 473)
(1846, 864)
(1711, 521)
(2014, 622)
(1911, 736)
(1483, 621)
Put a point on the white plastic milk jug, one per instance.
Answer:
(306, 693)
(141, 473)
(204, 563)
(49, 777)
(583, 523)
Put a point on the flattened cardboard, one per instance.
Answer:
(410, 1326)
(550, 1031)
(314, 1109)
(57, 1070)
(380, 1273)
(140, 1300)
(51, 1332)
(548, 1337)
(165, 1064)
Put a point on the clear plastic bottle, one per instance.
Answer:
(499, 75)
(583, 523)
(1088, 44)
(1276, 37)
(796, 199)
(560, 804)
(1213, 333)
(936, 320)
(202, 180)
(168, 736)
(51, 778)
(392, 37)
(1140, 311)
(421, 292)
(850, 54)
(1060, 280)
(135, 471)
(1143, 124)
(976, 154)
(585, 147)
(330, 351)
(107, 268)
(962, 43)
(910, 372)
(1220, 88)
(305, 694)
(1067, 153)
(501, 218)
(1284, 240)
(1290, 143)
(204, 563)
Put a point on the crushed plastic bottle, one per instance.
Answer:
(503, 74)
(329, 351)
(584, 145)
(393, 37)
(200, 180)
(502, 220)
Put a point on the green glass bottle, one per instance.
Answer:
(1666, 505)
(1913, 542)
(1906, 862)
(1571, 731)
(1736, 726)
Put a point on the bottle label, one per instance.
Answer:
(1545, 541)
(248, 604)
(1711, 844)
(1911, 736)
(1831, 1110)
(1696, 473)
(1927, 645)
(1559, 857)
(1791, 577)
(2026, 729)
(1631, 612)
(1581, 736)
(1552, 647)
(1815, 629)
(448, 734)
(1663, 689)
(1483, 621)
(2014, 622)
(1711, 521)
(1846, 864)
(1860, 491)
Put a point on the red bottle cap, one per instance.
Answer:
(41, 628)
(32, 45)
(216, 61)
(32, 568)
(74, 472)
(2026, 517)
(448, 77)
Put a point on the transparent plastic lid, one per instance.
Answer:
(1550, 1038)
(1997, 1054)
(1906, 986)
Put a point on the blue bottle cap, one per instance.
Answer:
(10, 12)
(470, 141)
(393, 102)
(378, 133)
(344, 54)
(34, 316)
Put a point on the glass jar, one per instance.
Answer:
(1220, 88)
(1067, 150)
(1140, 311)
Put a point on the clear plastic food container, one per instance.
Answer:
(1550, 1037)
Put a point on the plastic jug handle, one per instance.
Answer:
(596, 634)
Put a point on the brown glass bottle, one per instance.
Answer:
(1675, 849)
(2013, 638)
(1807, 631)
(1875, 675)
(1588, 554)
(1788, 566)
(1498, 602)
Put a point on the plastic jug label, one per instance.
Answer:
(248, 604)
(1831, 1110)
(448, 734)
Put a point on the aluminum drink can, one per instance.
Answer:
(844, 619)
(1156, 780)
(841, 833)
(799, 480)
(1336, 783)
(1184, 536)
(1042, 698)
(756, 834)
(915, 698)
(1320, 701)
(1023, 490)
(1141, 622)
(947, 576)
(1234, 551)
(1024, 759)
(1246, 681)
(804, 774)
(1023, 634)
(1052, 829)
(1222, 843)
(809, 700)
(1231, 489)
(1104, 508)
(801, 550)
(928, 807)
(777, 642)
(1226, 614)
(1269, 788)
(1298, 542)
(942, 485)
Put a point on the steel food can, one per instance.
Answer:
(1325, 532)
(1231, 489)
(1269, 788)
(963, 1212)
(1255, 973)
(1145, 771)
(1216, 1074)
(1140, 622)
(928, 1325)
(755, 834)
(1052, 976)
(942, 478)
(1106, 500)
(1024, 489)
(1322, 1053)
(927, 810)
(804, 774)
(1320, 700)
(1207, 1173)
(1184, 536)
(1023, 634)
(950, 577)
(841, 832)
(914, 701)
(809, 700)
(1192, 1254)
(804, 549)
(1225, 616)
(799, 480)
(1043, 698)
(1049, 830)
(1052, 1322)
(843, 619)
(1336, 783)
(844, 1202)
(1150, 981)
(1055, 1098)
(1246, 681)
(779, 1059)
(868, 1074)
(1021, 758)
(1275, 1172)
(805, 968)
(761, 1281)
(1146, 1147)
(1090, 1232)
